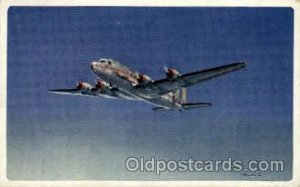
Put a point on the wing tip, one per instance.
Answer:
(55, 90)
(242, 64)
(51, 91)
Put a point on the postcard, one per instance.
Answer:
(99, 93)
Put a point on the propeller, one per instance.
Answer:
(79, 85)
(83, 85)
(171, 73)
(166, 69)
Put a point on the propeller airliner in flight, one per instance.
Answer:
(118, 81)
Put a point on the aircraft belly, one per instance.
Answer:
(140, 94)
(162, 102)
(148, 91)
(126, 88)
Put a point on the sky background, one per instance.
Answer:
(55, 137)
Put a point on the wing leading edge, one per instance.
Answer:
(112, 93)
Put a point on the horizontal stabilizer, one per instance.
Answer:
(185, 106)
(188, 106)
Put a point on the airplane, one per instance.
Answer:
(119, 81)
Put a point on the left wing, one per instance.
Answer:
(111, 93)
(164, 86)
(74, 91)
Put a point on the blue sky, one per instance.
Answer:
(54, 137)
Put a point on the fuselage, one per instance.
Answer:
(126, 80)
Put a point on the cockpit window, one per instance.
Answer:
(106, 61)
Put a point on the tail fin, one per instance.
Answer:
(183, 97)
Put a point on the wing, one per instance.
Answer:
(112, 93)
(66, 91)
(166, 85)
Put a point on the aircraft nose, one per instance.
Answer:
(93, 65)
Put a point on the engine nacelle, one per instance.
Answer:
(83, 85)
(143, 79)
(101, 85)
(172, 73)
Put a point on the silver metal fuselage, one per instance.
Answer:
(124, 79)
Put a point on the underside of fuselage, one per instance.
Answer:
(163, 101)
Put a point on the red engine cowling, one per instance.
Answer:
(83, 85)
(143, 79)
(101, 85)
(172, 73)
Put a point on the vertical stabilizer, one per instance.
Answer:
(183, 95)
(180, 95)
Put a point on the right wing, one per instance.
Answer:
(164, 86)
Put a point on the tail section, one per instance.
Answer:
(180, 94)
(188, 106)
